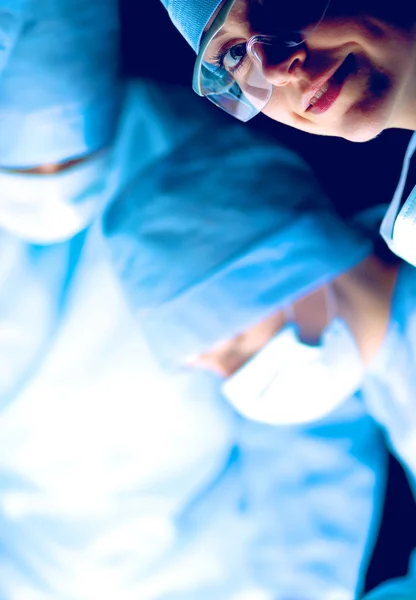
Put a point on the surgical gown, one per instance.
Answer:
(320, 489)
(99, 454)
(118, 481)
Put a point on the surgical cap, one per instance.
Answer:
(221, 234)
(59, 92)
(191, 17)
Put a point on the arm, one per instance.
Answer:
(316, 496)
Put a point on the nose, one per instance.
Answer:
(279, 66)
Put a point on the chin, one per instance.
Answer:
(361, 133)
(367, 119)
(363, 128)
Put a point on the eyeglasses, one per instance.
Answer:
(233, 77)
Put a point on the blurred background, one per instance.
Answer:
(355, 176)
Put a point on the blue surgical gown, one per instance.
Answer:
(118, 481)
(99, 454)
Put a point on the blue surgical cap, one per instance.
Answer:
(59, 92)
(221, 234)
(191, 17)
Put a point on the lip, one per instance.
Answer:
(325, 102)
(325, 80)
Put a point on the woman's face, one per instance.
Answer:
(353, 77)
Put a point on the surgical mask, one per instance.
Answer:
(290, 382)
(399, 225)
(46, 209)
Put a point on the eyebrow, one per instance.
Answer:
(222, 32)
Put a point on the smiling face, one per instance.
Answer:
(353, 76)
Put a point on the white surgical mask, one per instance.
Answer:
(290, 382)
(399, 225)
(45, 209)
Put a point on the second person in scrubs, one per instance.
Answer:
(300, 321)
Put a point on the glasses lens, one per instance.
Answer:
(243, 99)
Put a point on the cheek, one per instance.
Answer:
(382, 44)
(278, 107)
(335, 32)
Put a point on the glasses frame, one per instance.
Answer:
(217, 24)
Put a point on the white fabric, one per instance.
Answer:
(289, 382)
(399, 224)
(92, 477)
(45, 209)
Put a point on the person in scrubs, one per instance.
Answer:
(302, 325)
(118, 480)
(328, 67)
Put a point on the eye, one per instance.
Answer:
(233, 58)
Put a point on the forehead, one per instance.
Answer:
(275, 15)
(250, 17)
